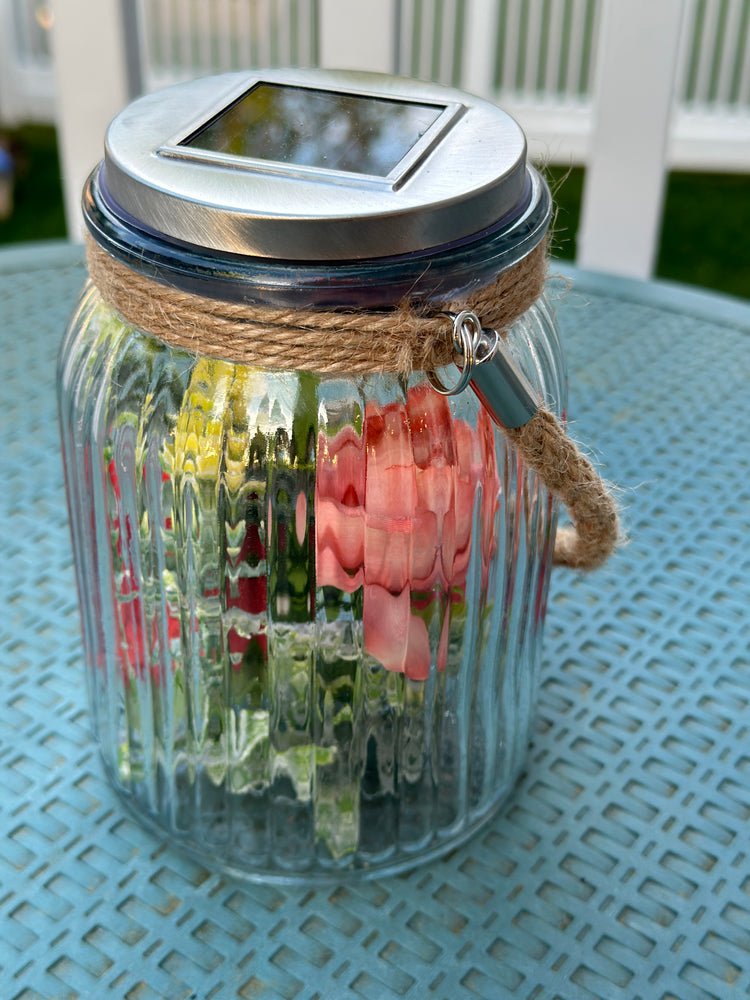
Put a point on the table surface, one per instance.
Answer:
(619, 868)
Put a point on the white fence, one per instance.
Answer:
(538, 58)
(535, 57)
(628, 87)
(195, 38)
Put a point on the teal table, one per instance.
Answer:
(620, 867)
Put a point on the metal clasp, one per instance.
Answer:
(490, 370)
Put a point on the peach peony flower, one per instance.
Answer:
(394, 513)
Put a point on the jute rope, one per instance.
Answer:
(356, 342)
(556, 459)
(335, 342)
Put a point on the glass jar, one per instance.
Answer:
(312, 603)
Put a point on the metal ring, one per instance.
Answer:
(466, 325)
(467, 331)
(489, 343)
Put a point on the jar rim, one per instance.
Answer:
(432, 274)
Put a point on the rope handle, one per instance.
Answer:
(539, 438)
(545, 447)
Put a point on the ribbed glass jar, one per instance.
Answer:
(312, 606)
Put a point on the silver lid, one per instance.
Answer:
(462, 170)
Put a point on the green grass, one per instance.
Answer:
(704, 236)
(38, 212)
(566, 185)
(704, 233)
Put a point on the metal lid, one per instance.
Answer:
(439, 166)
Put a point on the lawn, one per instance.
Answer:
(704, 233)
(38, 212)
(704, 237)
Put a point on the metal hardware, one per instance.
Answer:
(467, 335)
(489, 368)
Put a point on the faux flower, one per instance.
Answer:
(394, 513)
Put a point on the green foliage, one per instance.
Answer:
(704, 232)
(38, 207)
(566, 184)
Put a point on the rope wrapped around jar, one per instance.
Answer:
(413, 337)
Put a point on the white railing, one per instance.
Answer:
(535, 57)
(546, 80)
(628, 87)
(196, 38)
(538, 59)
(712, 119)
(523, 47)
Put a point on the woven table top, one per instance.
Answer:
(619, 868)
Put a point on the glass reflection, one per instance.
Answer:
(318, 128)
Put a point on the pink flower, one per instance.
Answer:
(394, 512)
(339, 505)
